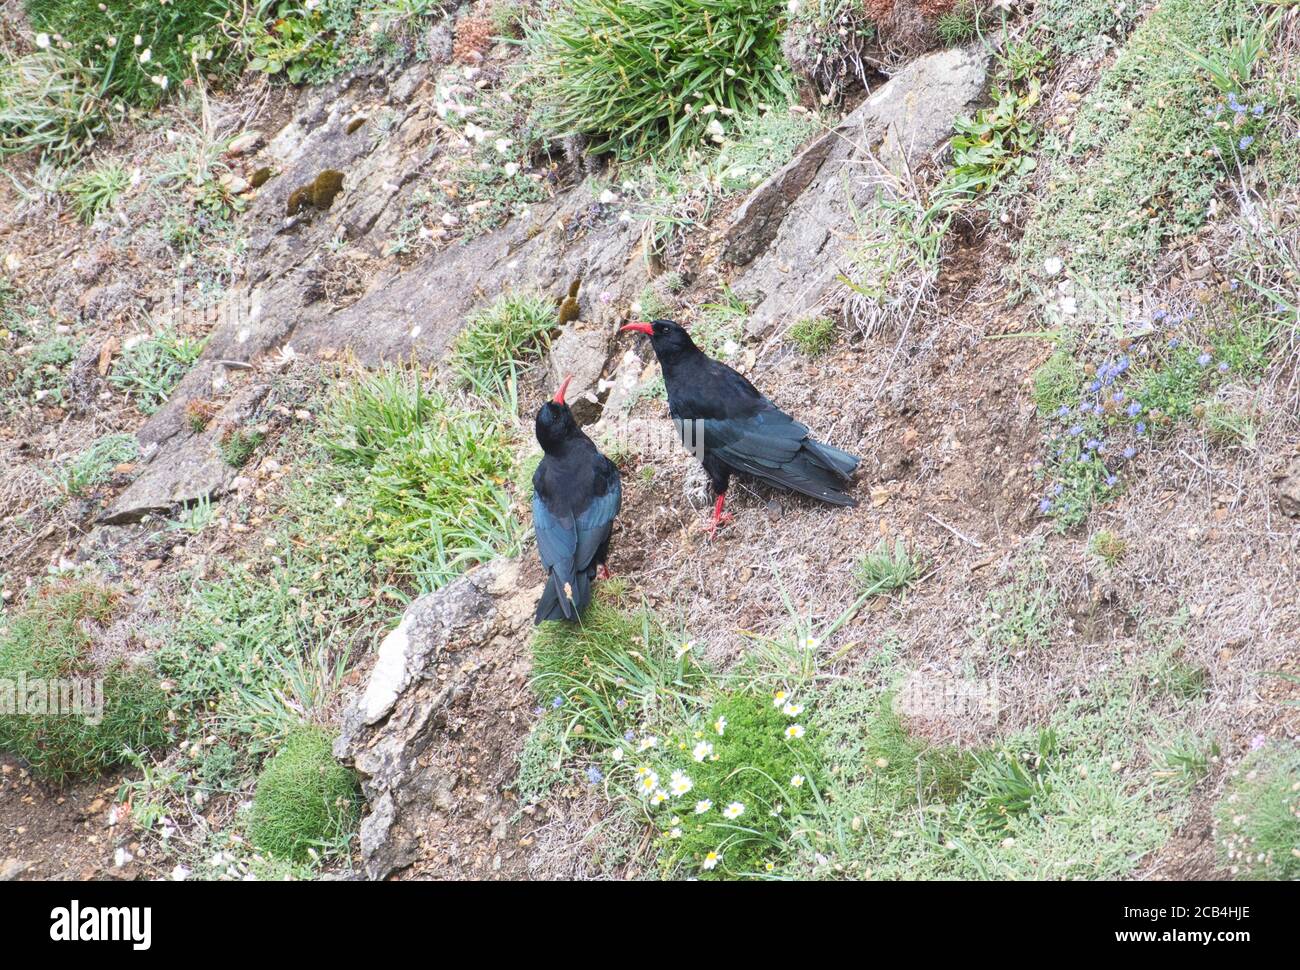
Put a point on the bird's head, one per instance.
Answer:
(668, 338)
(554, 419)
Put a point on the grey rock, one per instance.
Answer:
(805, 231)
(423, 666)
(581, 354)
(11, 869)
(185, 467)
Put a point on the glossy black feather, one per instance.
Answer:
(576, 496)
(741, 430)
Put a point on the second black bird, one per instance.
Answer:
(735, 429)
(576, 495)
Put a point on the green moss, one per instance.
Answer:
(305, 800)
(49, 639)
(319, 193)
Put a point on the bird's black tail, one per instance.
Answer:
(555, 605)
(819, 471)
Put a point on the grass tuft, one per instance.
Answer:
(500, 339)
(1258, 819)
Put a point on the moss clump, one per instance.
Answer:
(305, 799)
(46, 646)
(319, 193)
(1258, 818)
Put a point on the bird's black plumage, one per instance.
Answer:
(741, 430)
(576, 495)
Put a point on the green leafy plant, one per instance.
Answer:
(238, 445)
(306, 802)
(659, 75)
(94, 465)
(98, 189)
(958, 25)
(49, 104)
(997, 142)
(887, 568)
(1108, 547)
(148, 370)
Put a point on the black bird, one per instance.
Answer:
(576, 494)
(734, 428)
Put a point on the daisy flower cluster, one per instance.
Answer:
(723, 794)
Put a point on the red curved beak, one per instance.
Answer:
(564, 386)
(640, 326)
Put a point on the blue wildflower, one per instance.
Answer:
(1246, 142)
(1118, 397)
(558, 702)
(1134, 409)
(1159, 315)
(1204, 359)
(1095, 386)
(629, 735)
(1112, 480)
(1258, 111)
(1076, 431)
(1141, 427)
(1045, 506)
(1223, 367)
(594, 776)
(1058, 489)
(1130, 452)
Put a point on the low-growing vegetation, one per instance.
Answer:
(306, 803)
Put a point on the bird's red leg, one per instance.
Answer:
(720, 518)
(605, 573)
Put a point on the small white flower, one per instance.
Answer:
(160, 80)
(779, 698)
(702, 751)
(607, 197)
(1053, 265)
(809, 643)
(684, 649)
(1069, 305)
(797, 781)
(43, 41)
(734, 810)
(625, 216)
(138, 40)
(617, 754)
(792, 709)
(710, 861)
(675, 832)
(648, 742)
(512, 169)
(794, 731)
(659, 797)
(502, 145)
(720, 725)
(776, 811)
(679, 784)
(715, 127)
(703, 806)
(146, 56)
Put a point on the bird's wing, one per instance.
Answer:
(597, 520)
(557, 545)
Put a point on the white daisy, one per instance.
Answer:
(710, 861)
(794, 731)
(734, 810)
(703, 806)
(659, 797)
(679, 784)
(720, 725)
(647, 743)
(792, 709)
(702, 751)
(797, 781)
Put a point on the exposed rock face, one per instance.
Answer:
(409, 732)
(793, 229)
(186, 467)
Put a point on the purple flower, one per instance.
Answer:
(1134, 409)
(558, 702)
(629, 735)
(1095, 386)
(1130, 451)
(1159, 315)
(1119, 397)
(1141, 427)
(1258, 111)
(621, 703)
(1204, 359)
(1058, 489)
(1076, 431)
(594, 776)
(1223, 367)
(1246, 142)
(1093, 444)
(1257, 742)
(1173, 343)
(1112, 480)
(1063, 411)
(1045, 506)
